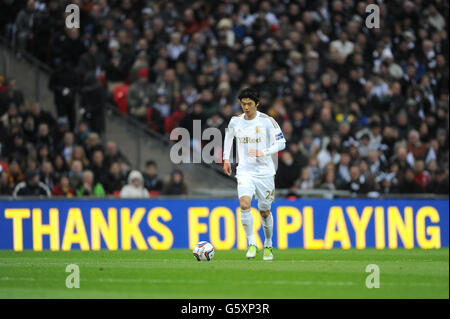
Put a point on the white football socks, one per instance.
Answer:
(247, 223)
(268, 229)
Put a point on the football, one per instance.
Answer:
(203, 251)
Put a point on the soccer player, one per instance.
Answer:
(258, 137)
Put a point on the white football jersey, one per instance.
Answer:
(262, 133)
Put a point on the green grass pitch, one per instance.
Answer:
(293, 274)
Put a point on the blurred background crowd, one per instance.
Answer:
(363, 109)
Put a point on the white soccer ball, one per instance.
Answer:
(203, 251)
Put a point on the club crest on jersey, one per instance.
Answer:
(258, 130)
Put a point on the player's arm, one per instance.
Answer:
(276, 140)
(228, 144)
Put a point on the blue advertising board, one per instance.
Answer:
(117, 224)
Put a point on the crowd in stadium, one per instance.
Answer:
(363, 109)
(42, 156)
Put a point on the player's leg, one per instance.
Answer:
(245, 192)
(265, 192)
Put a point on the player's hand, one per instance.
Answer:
(227, 167)
(255, 153)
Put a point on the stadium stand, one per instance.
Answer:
(362, 109)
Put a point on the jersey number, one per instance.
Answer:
(270, 194)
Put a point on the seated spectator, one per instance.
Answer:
(151, 180)
(140, 96)
(78, 154)
(176, 184)
(89, 187)
(416, 147)
(328, 180)
(328, 155)
(68, 145)
(287, 171)
(113, 154)
(46, 174)
(408, 185)
(42, 116)
(422, 177)
(93, 143)
(15, 175)
(135, 187)
(387, 185)
(305, 181)
(82, 132)
(44, 154)
(63, 188)
(11, 95)
(75, 174)
(5, 186)
(59, 166)
(357, 183)
(439, 185)
(114, 180)
(31, 186)
(98, 167)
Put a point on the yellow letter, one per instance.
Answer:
(75, 221)
(308, 230)
(100, 228)
(214, 228)
(52, 229)
(360, 224)
(336, 220)
(160, 228)
(196, 228)
(130, 228)
(379, 228)
(285, 228)
(242, 237)
(405, 230)
(433, 231)
(17, 215)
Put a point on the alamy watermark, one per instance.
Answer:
(73, 279)
(73, 17)
(373, 279)
(373, 19)
(207, 146)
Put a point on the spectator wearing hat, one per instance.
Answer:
(225, 29)
(135, 187)
(31, 186)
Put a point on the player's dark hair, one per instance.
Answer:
(249, 93)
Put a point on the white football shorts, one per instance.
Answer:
(263, 188)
